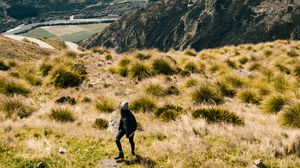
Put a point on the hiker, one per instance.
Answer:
(127, 126)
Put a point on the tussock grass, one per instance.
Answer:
(143, 104)
(33, 80)
(274, 103)
(139, 71)
(231, 63)
(62, 114)
(100, 123)
(70, 54)
(207, 94)
(226, 90)
(154, 89)
(280, 83)
(243, 60)
(190, 52)
(215, 115)
(191, 82)
(11, 87)
(162, 66)
(168, 112)
(64, 78)
(235, 81)
(45, 69)
(142, 56)
(105, 104)
(296, 71)
(124, 62)
(254, 66)
(249, 96)
(191, 67)
(283, 68)
(15, 107)
(4, 66)
(291, 116)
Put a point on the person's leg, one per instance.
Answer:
(119, 145)
(131, 141)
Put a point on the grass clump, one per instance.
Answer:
(243, 60)
(4, 66)
(190, 52)
(105, 104)
(231, 64)
(226, 89)
(155, 90)
(171, 90)
(191, 67)
(100, 123)
(291, 116)
(267, 53)
(11, 87)
(70, 54)
(254, 66)
(235, 81)
(191, 82)
(296, 71)
(45, 69)
(33, 80)
(214, 115)
(207, 94)
(64, 78)
(249, 96)
(274, 103)
(168, 112)
(284, 69)
(13, 107)
(142, 56)
(139, 71)
(161, 66)
(144, 104)
(62, 115)
(280, 83)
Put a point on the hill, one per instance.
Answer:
(223, 107)
(205, 24)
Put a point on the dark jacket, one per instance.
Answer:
(127, 122)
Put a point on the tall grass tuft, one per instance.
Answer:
(296, 71)
(190, 52)
(139, 71)
(13, 107)
(154, 89)
(62, 114)
(162, 66)
(274, 103)
(143, 104)
(207, 94)
(168, 112)
(3, 66)
(64, 78)
(104, 104)
(45, 69)
(226, 90)
(100, 123)
(249, 96)
(11, 87)
(291, 116)
(215, 115)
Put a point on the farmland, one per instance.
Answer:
(74, 33)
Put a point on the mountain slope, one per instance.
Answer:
(206, 24)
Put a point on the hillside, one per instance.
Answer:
(205, 24)
(223, 107)
(17, 12)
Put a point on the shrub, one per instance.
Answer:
(161, 66)
(105, 104)
(249, 96)
(10, 87)
(155, 90)
(213, 115)
(296, 71)
(45, 69)
(14, 107)
(63, 78)
(139, 71)
(168, 112)
(243, 60)
(226, 89)
(62, 115)
(3, 66)
(190, 52)
(291, 116)
(143, 104)
(231, 63)
(207, 94)
(100, 123)
(33, 80)
(274, 103)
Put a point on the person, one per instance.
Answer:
(127, 126)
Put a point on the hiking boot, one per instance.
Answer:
(133, 153)
(121, 156)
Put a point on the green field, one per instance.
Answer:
(74, 33)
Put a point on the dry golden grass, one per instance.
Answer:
(182, 141)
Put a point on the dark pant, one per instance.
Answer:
(118, 141)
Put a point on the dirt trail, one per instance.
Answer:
(41, 43)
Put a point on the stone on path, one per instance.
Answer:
(108, 163)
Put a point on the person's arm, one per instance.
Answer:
(120, 124)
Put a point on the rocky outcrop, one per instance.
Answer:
(205, 24)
